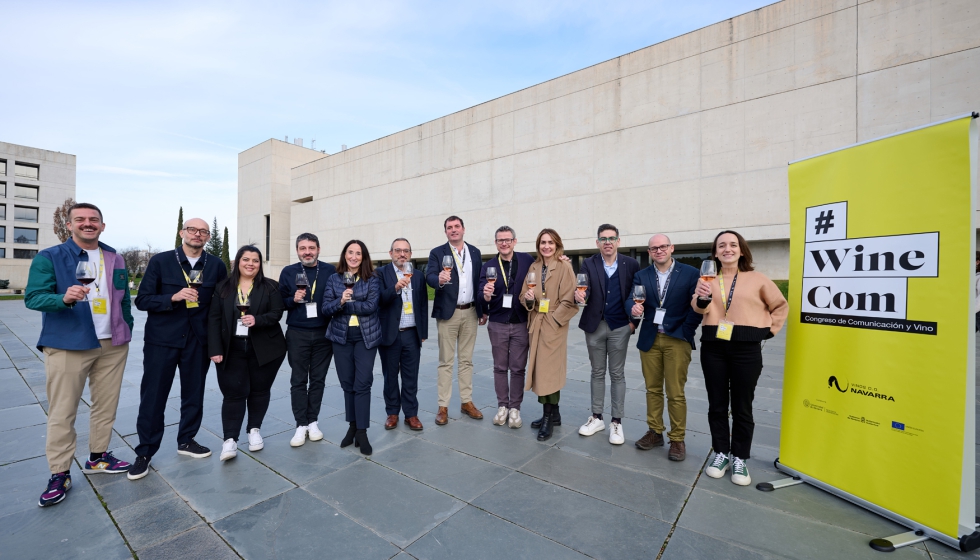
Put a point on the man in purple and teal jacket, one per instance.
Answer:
(85, 335)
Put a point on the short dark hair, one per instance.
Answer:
(604, 227)
(85, 205)
(502, 229)
(392, 248)
(307, 237)
(453, 219)
(744, 261)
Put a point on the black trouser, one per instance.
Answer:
(244, 384)
(731, 371)
(403, 355)
(309, 357)
(355, 370)
(160, 363)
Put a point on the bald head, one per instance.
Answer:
(660, 250)
(195, 234)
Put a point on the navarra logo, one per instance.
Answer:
(872, 394)
(832, 382)
(862, 282)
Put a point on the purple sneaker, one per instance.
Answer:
(106, 464)
(58, 485)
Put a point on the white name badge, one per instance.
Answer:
(241, 329)
(311, 311)
(658, 317)
(508, 301)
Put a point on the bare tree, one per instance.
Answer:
(133, 257)
(61, 220)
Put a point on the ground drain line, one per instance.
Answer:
(681, 512)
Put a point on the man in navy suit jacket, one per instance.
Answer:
(507, 324)
(403, 312)
(457, 314)
(607, 327)
(665, 342)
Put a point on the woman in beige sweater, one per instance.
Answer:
(741, 308)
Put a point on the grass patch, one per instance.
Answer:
(432, 292)
(12, 296)
(783, 286)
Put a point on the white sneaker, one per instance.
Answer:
(740, 472)
(299, 438)
(514, 420)
(255, 440)
(616, 436)
(229, 449)
(314, 431)
(591, 426)
(718, 465)
(501, 418)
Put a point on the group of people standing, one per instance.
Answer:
(198, 312)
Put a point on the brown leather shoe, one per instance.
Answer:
(472, 411)
(442, 417)
(391, 422)
(414, 423)
(677, 451)
(650, 440)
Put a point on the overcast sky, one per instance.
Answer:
(158, 98)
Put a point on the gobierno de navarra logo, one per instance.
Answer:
(834, 383)
(862, 282)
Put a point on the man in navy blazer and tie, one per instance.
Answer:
(403, 311)
(665, 342)
(607, 327)
(457, 315)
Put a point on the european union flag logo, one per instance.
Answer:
(898, 425)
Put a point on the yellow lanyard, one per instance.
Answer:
(459, 263)
(98, 272)
(731, 294)
(242, 298)
(502, 273)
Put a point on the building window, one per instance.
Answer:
(3, 253)
(25, 253)
(25, 214)
(26, 170)
(3, 234)
(268, 235)
(3, 211)
(25, 191)
(3, 190)
(27, 236)
(3, 167)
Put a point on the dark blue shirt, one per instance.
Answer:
(296, 312)
(614, 314)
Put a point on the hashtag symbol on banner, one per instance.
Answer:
(825, 221)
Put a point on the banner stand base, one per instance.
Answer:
(777, 484)
(895, 542)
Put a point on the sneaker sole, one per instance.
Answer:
(53, 502)
(194, 455)
(501, 423)
(229, 456)
(746, 482)
(316, 438)
(297, 443)
(132, 476)
(106, 471)
(256, 448)
(517, 425)
(719, 475)
(617, 442)
(592, 433)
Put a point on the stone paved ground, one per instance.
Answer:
(466, 490)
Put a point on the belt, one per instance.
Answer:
(464, 306)
(406, 329)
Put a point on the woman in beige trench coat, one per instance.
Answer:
(551, 305)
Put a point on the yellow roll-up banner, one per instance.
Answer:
(878, 398)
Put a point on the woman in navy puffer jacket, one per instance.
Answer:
(355, 331)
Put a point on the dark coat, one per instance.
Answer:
(444, 304)
(296, 312)
(391, 305)
(264, 304)
(681, 320)
(595, 295)
(494, 309)
(364, 304)
(169, 323)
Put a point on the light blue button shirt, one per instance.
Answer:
(610, 268)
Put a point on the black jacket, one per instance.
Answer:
(265, 305)
(596, 294)
(169, 323)
(390, 311)
(444, 304)
(296, 312)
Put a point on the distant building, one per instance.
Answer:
(686, 137)
(33, 183)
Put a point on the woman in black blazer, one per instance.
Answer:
(247, 347)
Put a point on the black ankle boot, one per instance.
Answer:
(349, 438)
(360, 436)
(544, 433)
(537, 423)
(555, 416)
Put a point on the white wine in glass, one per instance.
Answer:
(447, 265)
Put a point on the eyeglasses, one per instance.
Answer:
(196, 231)
(402, 251)
(608, 239)
(659, 249)
(505, 241)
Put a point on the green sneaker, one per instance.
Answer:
(718, 465)
(740, 472)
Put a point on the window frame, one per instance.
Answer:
(37, 214)
(37, 234)
(34, 166)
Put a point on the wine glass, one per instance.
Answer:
(639, 296)
(242, 303)
(491, 275)
(349, 279)
(302, 282)
(447, 265)
(195, 279)
(709, 271)
(85, 273)
(407, 271)
(532, 280)
(582, 284)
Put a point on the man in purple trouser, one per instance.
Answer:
(501, 279)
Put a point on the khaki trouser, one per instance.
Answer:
(665, 367)
(66, 372)
(459, 329)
